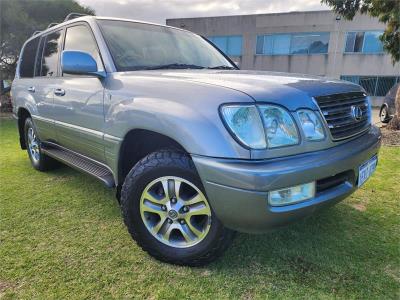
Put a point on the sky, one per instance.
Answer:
(158, 11)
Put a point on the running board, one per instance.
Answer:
(79, 162)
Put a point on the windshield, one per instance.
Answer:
(136, 46)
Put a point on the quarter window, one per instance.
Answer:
(50, 54)
(230, 45)
(293, 43)
(363, 42)
(80, 38)
(27, 64)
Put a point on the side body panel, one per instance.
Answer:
(184, 111)
(79, 117)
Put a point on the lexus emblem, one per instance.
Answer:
(356, 112)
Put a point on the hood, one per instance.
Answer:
(291, 90)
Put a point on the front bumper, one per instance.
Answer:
(238, 189)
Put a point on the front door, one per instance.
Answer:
(78, 100)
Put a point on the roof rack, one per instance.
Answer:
(36, 32)
(73, 16)
(52, 25)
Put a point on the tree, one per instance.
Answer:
(388, 12)
(20, 18)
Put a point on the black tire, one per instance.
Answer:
(44, 162)
(153, 166)
(384, 114)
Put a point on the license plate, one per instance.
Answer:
(366, 169)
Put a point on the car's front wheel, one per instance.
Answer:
(167, 212)
(384, 114)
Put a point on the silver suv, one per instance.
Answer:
(195, 148)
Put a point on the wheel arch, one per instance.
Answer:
(22, 115)
(137, 144)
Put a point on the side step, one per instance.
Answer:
(79, 162)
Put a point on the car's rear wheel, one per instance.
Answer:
(39, 160)
(384, 114)
(167, 212)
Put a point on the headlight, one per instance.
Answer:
(311, 124)
(245, 124)
(279, 126)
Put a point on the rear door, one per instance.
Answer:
(43, 85)
(78, 99)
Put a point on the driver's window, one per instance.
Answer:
(80, 38)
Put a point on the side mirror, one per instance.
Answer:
(80, 63)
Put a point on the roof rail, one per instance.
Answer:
(36, 32)
(73, 16)
(52, 25)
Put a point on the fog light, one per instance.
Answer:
(292, 194)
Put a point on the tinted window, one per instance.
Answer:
(50, 54)
(80, 38)
(310, 43)
(27, 65)
(38, 63)
(372, 43)
(293, 43)
(364, 42)
(230, 45)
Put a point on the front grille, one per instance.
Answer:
(334, 181)
(337, 110)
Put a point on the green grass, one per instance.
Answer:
(61, 236)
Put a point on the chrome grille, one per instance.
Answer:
(337, 110)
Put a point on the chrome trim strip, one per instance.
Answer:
(112, 138)
(79, 128)
(36, 117)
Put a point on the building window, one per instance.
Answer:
(293, 43)
(374, 85)
(363, 42)
(230, 45)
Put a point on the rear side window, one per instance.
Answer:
(27, 64)
(50, 54)
(80, 38)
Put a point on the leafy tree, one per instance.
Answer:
(20, 18)
(388, 12)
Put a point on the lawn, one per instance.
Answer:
(62, 236)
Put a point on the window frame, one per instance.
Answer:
(81, 23)
(44, 38)
(291, 34)
(362, 48)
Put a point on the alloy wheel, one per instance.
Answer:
(33, 145)
(175, 212)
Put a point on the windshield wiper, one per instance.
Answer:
(224, 67)
(171, 66)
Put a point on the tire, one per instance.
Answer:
(384, 114)
(39, 161)
(175, 172)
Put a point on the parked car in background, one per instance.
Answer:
(195, 148)
(388, 108)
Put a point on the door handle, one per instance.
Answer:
(31, 89)
(59, 92)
